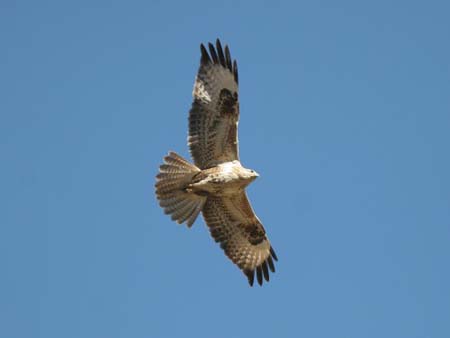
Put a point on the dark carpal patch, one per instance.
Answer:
(228, 103)
(255, 233)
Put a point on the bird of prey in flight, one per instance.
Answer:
(215, 184)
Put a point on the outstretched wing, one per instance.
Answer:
(241, 235)
(214, 115)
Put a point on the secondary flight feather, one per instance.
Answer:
(215, 184)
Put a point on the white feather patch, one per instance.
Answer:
(200, 91)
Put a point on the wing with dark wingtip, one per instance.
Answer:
(233, 223)
(214, 115)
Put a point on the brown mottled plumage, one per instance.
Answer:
(216, 184)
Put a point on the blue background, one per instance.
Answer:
(345, 113)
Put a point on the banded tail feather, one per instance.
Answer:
(174, 176)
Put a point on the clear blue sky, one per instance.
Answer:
(345, 113)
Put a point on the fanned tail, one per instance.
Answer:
(174, 176)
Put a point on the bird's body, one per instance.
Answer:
(215, 184)
(225, 179)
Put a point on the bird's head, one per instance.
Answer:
(251, 174)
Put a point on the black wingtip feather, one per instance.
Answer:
(205, 56)
(271, 265)
(228, 58)
(251, 276)
(265, 271)
(220, 53)
(259, 275)
(261, 270)
(212, 50)
(272, 252)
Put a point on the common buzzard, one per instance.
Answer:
(216, 184)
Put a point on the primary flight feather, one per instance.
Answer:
(215, 184)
